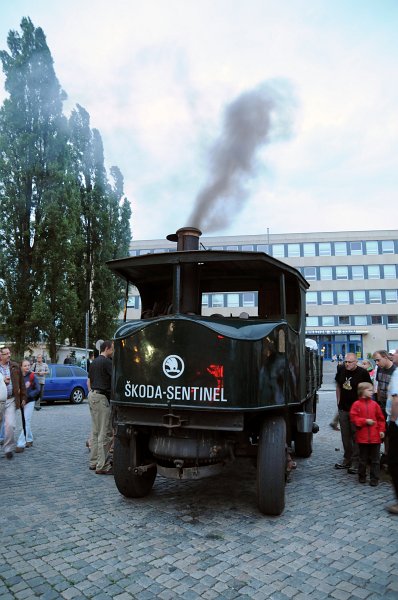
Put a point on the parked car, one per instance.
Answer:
(65, 382)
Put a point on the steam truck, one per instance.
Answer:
(193, 392)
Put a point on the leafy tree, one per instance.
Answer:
(33, 159)
(105, 228)
(60, 218)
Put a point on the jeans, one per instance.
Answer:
(347, 430)
(372, 452)
(27, 411)
(101, 431)
(40, 397)
(8, 414)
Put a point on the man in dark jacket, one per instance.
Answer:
(347, 379)
(16, 394)
(99, 385)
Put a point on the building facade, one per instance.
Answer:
(352, 302)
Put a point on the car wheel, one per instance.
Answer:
(77, 395)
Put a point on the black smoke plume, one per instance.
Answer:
(252, 120)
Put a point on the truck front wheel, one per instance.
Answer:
(128, 456)
(271, 466)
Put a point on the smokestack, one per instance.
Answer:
(187, 238)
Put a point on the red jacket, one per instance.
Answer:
(362, 409)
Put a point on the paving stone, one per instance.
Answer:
(194, 539)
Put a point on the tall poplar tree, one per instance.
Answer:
(33, 164)
(60, 218)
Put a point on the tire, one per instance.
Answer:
(303, 444)
(127, 454)
(77, 395)
(271, 466)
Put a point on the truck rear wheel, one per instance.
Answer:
(271, 466)
(128, 454)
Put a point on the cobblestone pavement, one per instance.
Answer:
(67, 532)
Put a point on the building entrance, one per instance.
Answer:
(338, 344)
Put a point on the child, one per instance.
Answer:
(370, 424)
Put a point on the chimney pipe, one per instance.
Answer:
(187, 238)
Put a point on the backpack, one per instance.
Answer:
(33, 383)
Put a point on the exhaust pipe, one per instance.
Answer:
(187, 238)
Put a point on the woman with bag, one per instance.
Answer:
(32, 392)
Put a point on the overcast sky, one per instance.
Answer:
(157, 76)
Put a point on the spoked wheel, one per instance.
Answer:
(128, 456)
(271, 466)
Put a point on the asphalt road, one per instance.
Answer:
(67, 532)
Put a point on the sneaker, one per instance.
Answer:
(37, 407)
(353, 470)
(334, 426)
(342, 465)
(29, 444)
(374, 482)
(362, 479)
(19, 449)
(392, 509)
(9, 455)
(92, 467)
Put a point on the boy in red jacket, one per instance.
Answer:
(370, 425)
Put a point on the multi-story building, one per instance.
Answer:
(352, 302)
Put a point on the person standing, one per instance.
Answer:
(370, 426)
(41, 369)
(32, 386)
(347, 379)
(392, 428)
(99, 385)
(385, 368)
(16, 396)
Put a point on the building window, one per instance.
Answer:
(390, 271)
(372, 247)
(340, 248)
(360, 320)
(312, 321)
(325, 273)
(311, 297)
(373, 272)
(262, 248)
(248, 299)
(392, 320)
(325, 249)
(326, 297)
(247, 248)
(343, 297)
(341, 272)
(145, 251)
(356, 248)
(387, 247)
(328, 321)
(231, 247)
(344, 320)
(310, 273)
(376, 320)
(232, 300)
(392, 345)
(205, 299)
(358, 296)
(391, 296)
(309, 249)
(358, 272)
(278, 250)
(374, 296)
(293, 250)
(217, 300)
